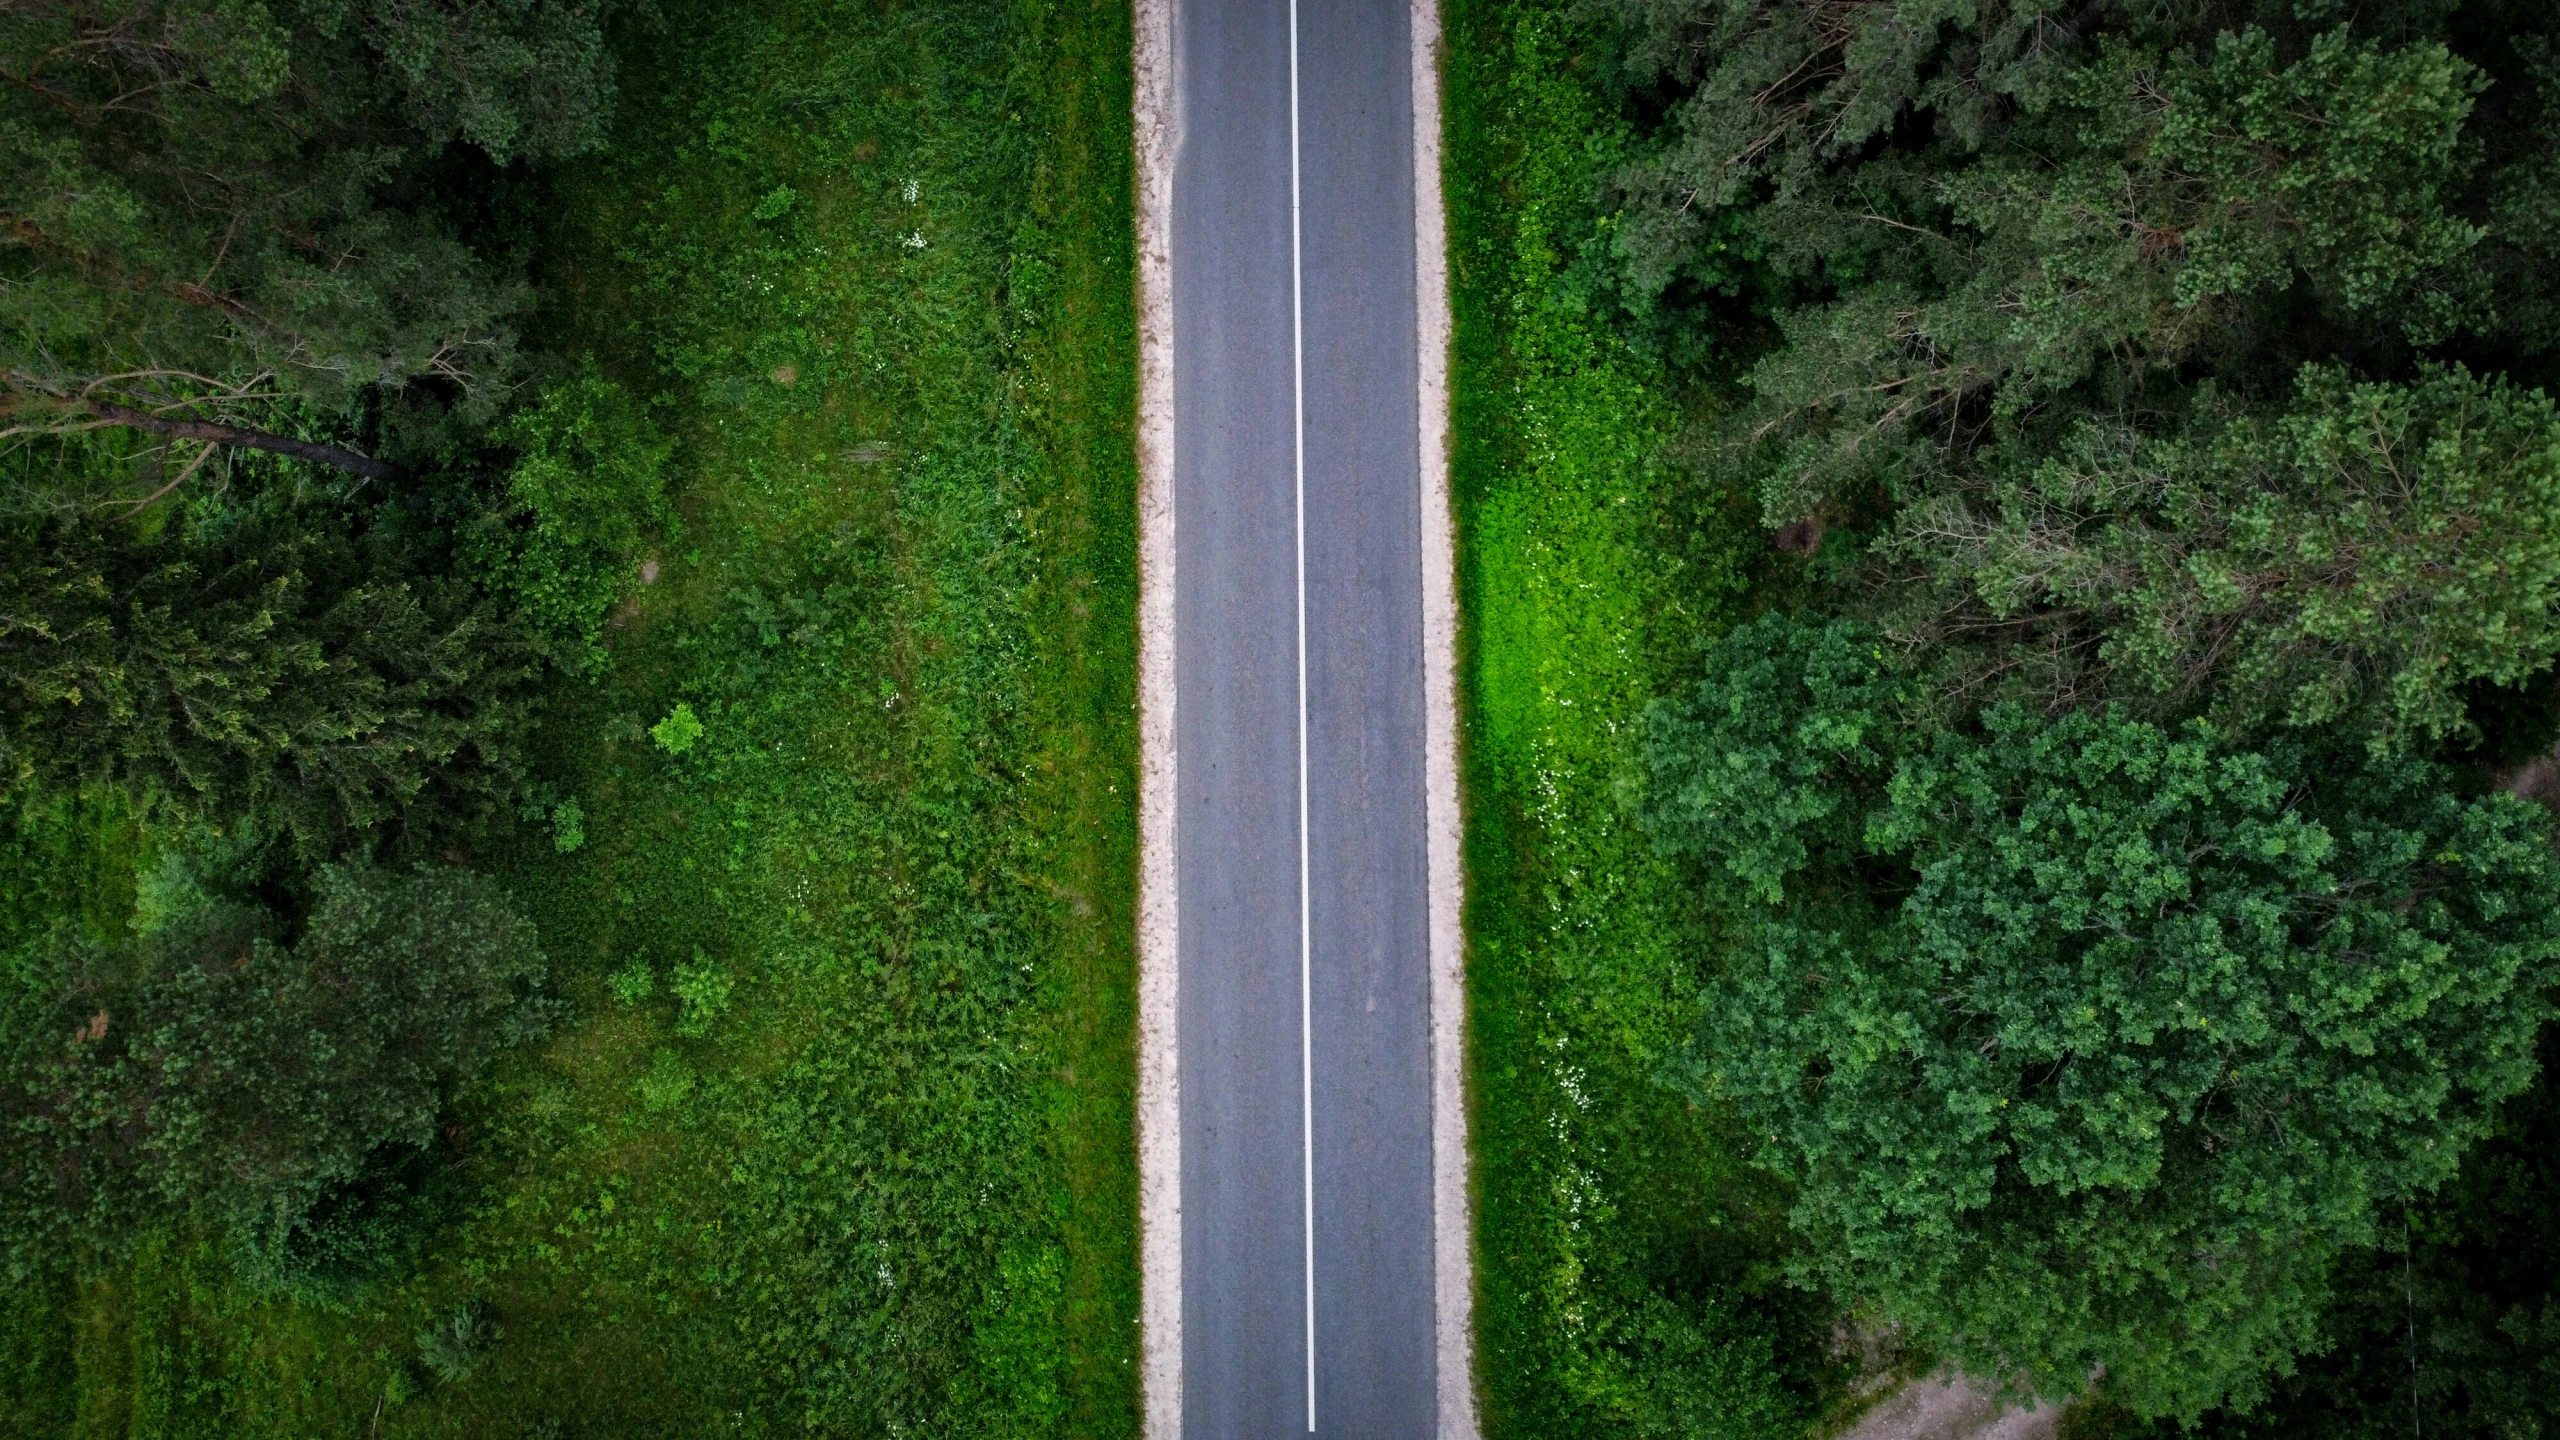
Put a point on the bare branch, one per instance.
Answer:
(238, 438)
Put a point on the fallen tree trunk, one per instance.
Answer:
(234, 436)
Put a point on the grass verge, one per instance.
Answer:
(837, 1136)
(1628, 1263)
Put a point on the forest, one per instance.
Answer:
(2075, 900)
(2010, 590)
(558, 800)
(567, 772)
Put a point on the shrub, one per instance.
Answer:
(677, 733)
(633, 983)
(703, 989)
(568, 826)
(356, 1236)
(587, 488)
(455, 1343)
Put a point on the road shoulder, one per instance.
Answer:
(1453, 1277)
(1159, 960)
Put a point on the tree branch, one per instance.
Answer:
(237, 438)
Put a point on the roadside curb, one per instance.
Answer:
(1159, 959)
(1453, 1278)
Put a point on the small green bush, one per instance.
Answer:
(568, 826)
(668, 1084)
(456, 1343)
(633, 983)
(703, 989)
(588, 486)
(677, 733)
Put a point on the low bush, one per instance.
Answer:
(587, 490)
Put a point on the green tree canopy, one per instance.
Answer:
(222, 216)
(2157, 381)
(265, 670)
(2454, 1320)
(2124, 335)
(1984, 206)
(213, 1074)
(2091, 1042)
(2353, 559)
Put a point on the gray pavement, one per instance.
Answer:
(1247, 570)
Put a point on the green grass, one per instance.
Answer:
(1628, 1261)
(855, 1155)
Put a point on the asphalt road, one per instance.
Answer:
(1304, 985)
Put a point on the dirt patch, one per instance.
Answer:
(1953, 1407)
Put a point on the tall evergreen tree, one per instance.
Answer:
(2172, 352)
(219, 221)
(266, 674)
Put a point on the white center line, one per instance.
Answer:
(1306, 937)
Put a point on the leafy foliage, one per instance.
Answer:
(2009, 199)
(1756, 771)
(455, 1344)
(2355, 561)
(2109, 328)
(2092, 1043)
(2187, 155)
(358, 1236)
(2453, 1319)
(902, 836)
(679, 731)
(589, 485)
(703, 989)
(2445, 1328)
(211, 1073)
(2153, 390)
(568, 826)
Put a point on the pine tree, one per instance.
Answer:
(223, 225)
(262, 676)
